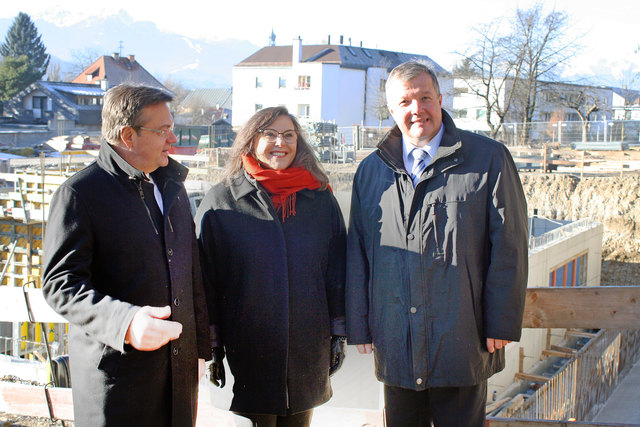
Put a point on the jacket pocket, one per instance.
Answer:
(109, 361)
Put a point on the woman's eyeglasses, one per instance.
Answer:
(271, 135)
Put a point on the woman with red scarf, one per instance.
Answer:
(272, 240)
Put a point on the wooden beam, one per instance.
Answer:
(562, 349)
(531, 377)
(589, 307)
(580, 334)
(495, 405)
(555, 353)
(13, 307)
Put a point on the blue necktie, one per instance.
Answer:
(419, 163)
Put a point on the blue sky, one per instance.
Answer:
(607, 30)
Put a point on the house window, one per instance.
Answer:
(282, 82)
(304, 82)
(460, 113)
(481, 113)
(303, 110)
(258, 82)
(258, 107)
(573, 273)
(39, 103)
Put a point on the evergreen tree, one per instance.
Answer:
(23, 39)
(15, 75)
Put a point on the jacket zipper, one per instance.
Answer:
(139, 185)
(439, 250)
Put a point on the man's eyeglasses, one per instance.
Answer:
(164, 132)
(271, 135)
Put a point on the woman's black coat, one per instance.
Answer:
(279, 289)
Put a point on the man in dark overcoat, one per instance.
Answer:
(436, 259)
(121, 265)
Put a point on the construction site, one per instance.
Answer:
(580, 346)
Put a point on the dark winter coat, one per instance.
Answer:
(278, 288)
(103, 260)
(432, 272)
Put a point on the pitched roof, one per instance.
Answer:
(117, 69)
(209, 97)
(63, 96)
(346, 56)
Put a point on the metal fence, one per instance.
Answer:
(566, 133)
(537, 243)
(587, 381)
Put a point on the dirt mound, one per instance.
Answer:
(614, 201)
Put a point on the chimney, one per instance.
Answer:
(132, 58)
(116, 56)
(297, 51)
(341, 39)
(329, 39)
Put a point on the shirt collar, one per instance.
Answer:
(430, 148)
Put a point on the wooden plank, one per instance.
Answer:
(589, 307)
(531, 377)
(555, 353)
(495, 405)
(580, 334)
(30, 400)
(14, 309)
(562, 349)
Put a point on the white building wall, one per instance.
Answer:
(330, 109)
(375, 98)
(335, 94)
(351, 92)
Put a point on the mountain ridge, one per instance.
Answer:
(194, 63)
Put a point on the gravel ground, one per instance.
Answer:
(10, 420)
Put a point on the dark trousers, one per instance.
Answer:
(301, 419)
(442, 406)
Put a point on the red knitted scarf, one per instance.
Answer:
(282, 185)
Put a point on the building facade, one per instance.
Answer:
(321, 83)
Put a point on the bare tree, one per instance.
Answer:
(82, 58)
(490, 69)
(584, 100)
(53, 71)
(378, 106)
(179, 94)
(544, 47)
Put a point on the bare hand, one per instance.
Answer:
(364, 348)
(202, 368)
(494, 344)
(148, 331)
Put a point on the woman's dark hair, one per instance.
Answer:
(247, 137)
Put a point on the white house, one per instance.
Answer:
(336, 83)
(556, 102)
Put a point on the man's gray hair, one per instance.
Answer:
(123, 105)
(409, 71)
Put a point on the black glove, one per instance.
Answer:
(337, 353)
(216, 368)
